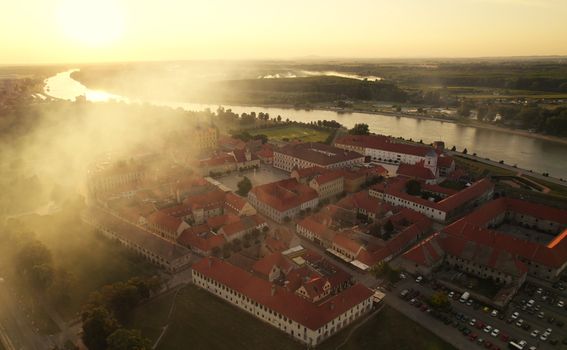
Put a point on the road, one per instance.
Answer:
(16, 326)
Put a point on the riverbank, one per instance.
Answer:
(470, 123)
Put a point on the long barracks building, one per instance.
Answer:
(305, 321)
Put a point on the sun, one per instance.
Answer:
(91, 22)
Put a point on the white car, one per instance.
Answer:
(515, 315)
(494, 313)
(541, 315)
(539, 291)
(549, 330)
(560, 303)
(520, 323)
(472, 322)
(534, 333)
(451, 295)
(531, 302)
(487, 329)
(543, 337)
(495, 332)
(419, 279)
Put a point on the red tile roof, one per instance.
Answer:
(170, 223)
(427, 252)
(318, 153)
(383, 143)
(473, 228)
(234, 202)
(415, 171)
(285, 194)
(245, 223)
(264, 266)
(284, 302)
(329, 176)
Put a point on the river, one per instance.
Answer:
(524, 151)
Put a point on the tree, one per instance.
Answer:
(98, 325)
(244, 186)
(454, 148)
(127, 339)
(360, 129)
(439, 300)
(465, 151)
(35, 263)
(388, 230)
(216, 251)
(385, 271)
(375, 230)
(413, 187)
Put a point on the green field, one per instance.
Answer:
(478, 168)
(293, 132)
(207, 322)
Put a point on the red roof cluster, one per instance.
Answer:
(385, 143)
(285, 194)
(472, 239)
(280, 299)
(318, 153)
(416, 170)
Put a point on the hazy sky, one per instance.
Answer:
(67, 31)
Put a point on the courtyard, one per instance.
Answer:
(265, 174)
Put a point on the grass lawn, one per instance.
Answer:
(556, 189)
(389, 329)
(206, 322)
(293, 132)
(478, 168)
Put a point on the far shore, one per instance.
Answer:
(470, 123)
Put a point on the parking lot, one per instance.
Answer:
(492, 329)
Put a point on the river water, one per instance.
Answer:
(524, 151)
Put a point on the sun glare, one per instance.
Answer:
(91, 23)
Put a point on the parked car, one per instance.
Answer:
(494, 313)
(419, 279)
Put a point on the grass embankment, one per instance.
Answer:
(293, 132)
(557, 195)
(207, 322)
(479, 169)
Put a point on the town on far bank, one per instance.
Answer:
(311, 228)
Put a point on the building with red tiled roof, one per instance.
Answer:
(266, 154)
(310, 154)
(450, 206)
(475, 244)
(169, 255)
(238, 205)
(304, 175)
(272, 266)
(282, 199)
(386, 149)
(165, 225)
(201, 239)
(329, 184)
(306, 321)
(244, 225)
(364, 204)
(245, 159)
(417, 171)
